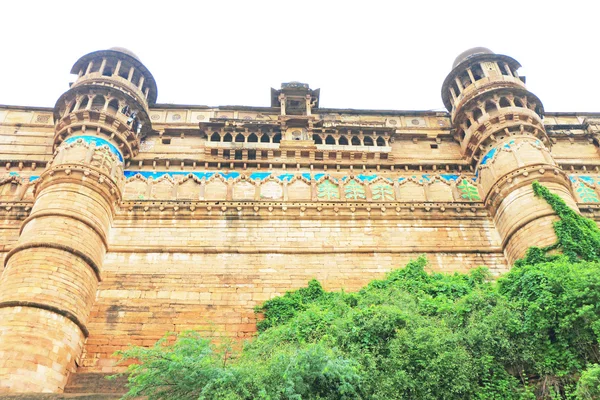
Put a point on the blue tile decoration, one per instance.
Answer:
(449, 177)
(285, 177)
(259, 176)
(488, 156)
(367, 178)
(587, 179)
(98, 142)
(199, 175)
(33, 178)
(288, 177)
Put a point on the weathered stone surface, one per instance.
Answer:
(118, 228)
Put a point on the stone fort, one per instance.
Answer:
(123, 218)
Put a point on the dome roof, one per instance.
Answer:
(125, 51)
(470, 53)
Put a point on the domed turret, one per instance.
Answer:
(498, 123)
(111, 94)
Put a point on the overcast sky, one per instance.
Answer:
(367, 54)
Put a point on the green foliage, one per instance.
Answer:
(578, 237)
(588, 387)
(534, 333)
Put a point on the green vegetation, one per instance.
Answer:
(534, 333)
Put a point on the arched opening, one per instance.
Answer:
(468, 123)
(477, 72)
(355, 141)
(124, 70)
(277, 138)
(135, 79)
(317, 139)
(504, 102)
(239, 138)
(98, 103)
(215, 137)
(465, 80)
(227, 137)
(380, 141)
(109, 69)
(343, 141)
(113, 107)
(96, 66)
(368, 141)
(329, 140)
(264, 138)
(84, 103)
(72, 106)
(518, 102)
(252, 138)
(457, 90)
(490, 106)
(477, 114)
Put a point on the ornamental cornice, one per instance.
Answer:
(299, 210)
(523, 176)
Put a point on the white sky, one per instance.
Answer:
(365, 54)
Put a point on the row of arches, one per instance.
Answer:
(113, 67)
(495, 104)
(478, 71)
(336, 140)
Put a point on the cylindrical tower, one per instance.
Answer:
(50, 278)
(498, 123)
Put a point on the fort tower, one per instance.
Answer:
(498, 124)
(51, 275)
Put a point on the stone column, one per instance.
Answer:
(50, 277)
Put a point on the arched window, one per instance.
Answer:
(329, 140)
(317, 139)
(468, 123)
(343, 141)
(504, 102)
(265, 138)
(518, 102)
(368, 141)
(252, 138)
(239, 138)
(227, 137)
(215, 137)
(98, 103)
(380, 141)
(72, 106)
(277, 138)
(113, 107)
(490, 106)
(477, 114)
(355, 141)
